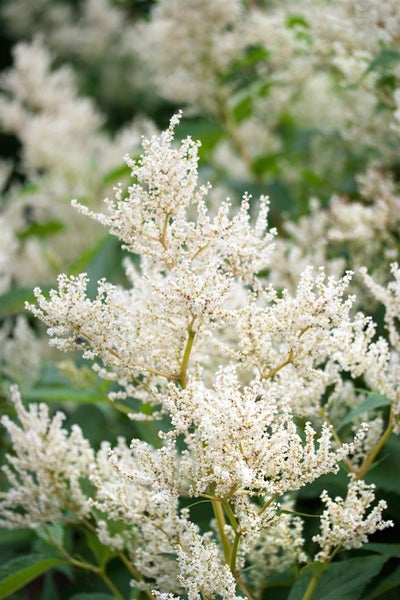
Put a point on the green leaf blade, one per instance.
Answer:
(18, 572)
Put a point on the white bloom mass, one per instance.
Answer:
(242, 374)
(344, 522)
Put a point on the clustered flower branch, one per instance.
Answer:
(244, 373)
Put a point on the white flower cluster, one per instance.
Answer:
(390, 298)
(248, 422)
(313, 64)
(92, 34)
(64, 147)
(46, 470)
(197, 55)
(240, 443)
(20, 341)
(344, 522)
(187, 281)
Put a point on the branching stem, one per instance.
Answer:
(182, 378)
(163, 236)
(220, 518)
(363, 470)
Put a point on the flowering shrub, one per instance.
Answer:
(227, 426)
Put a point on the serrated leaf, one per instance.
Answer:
(18, 572)
(373, 401)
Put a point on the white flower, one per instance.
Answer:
(241, 443)
(345, 523)
(390, 298)
(20, 353)
(167, 179)
(46, 469)
(202, 571)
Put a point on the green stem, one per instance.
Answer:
(220, 518)
(235, 527)
(316, 577)
(288, 361)
(231, 515)
(110, 585)
(370, 459)
(311, 587)
(163, 236)
(275, 370)
(86, 566)
(134, 572)
(265, 506)
(185, 360)
(235, 547)
(233, 550)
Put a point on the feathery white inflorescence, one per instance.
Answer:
(346, 523)
(234, 364)
(240, 443)
(46, 469)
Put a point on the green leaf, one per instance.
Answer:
(373, 401)
(41, 229)
(18, 572)
(346, 580)
(104, 259)
(64, 394)
(14, 536)
(387, 549)
(342, 580)
(243, 108)
(382, 472)
(386, 59)
(267, 163)
(244, 70)
(52, 533)
(92, 596)
(385, 584)
(253, 55)
(106, 262)
(293, 21)
(115, 175)
(13, 302)
(207, 132)
(299, 589)
(101, 552)
(315, 568)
